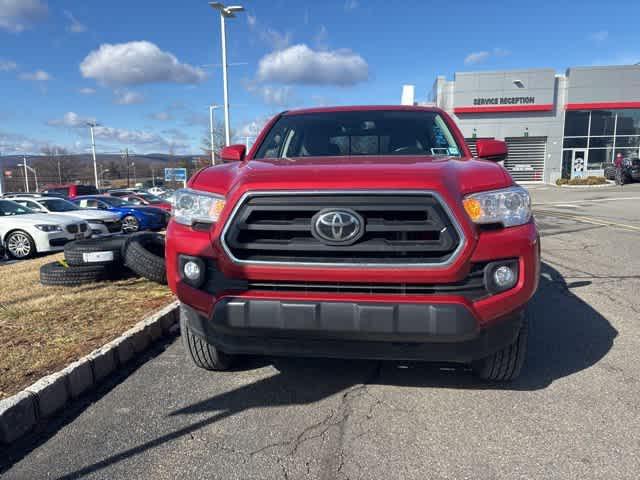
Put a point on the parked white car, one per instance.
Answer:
(156, 191)
(25, 232)
(101, 223)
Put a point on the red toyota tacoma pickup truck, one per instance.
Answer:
(356, 232)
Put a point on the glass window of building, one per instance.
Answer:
(602, 122)
(576, 124)
(628, 122)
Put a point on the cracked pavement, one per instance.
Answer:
(574, 413)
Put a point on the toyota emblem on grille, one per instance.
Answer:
(337, 227)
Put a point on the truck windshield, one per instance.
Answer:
(374, 132)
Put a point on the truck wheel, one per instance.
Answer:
(202, 353)
(505, 365)
(144, 254)
(95, 251)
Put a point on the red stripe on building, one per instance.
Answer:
(602, 105)
(505, 108)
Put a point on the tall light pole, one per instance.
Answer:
(212, 113)
(30, 169)
(225, 12)
(91, 126)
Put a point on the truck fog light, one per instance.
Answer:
(501, 275)
(504, 277)
(192, 271)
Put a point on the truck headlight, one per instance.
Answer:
(192, 207)
(49, 228)
(509, 207)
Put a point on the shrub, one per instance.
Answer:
(582, 181)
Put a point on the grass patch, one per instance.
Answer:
(42, 329)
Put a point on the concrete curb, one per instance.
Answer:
(22, 411)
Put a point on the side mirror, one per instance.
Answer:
(494, 150)
(233, 153)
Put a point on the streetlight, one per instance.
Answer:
(106, 170)
(212, 113)
(91, 126)
(225, 12)
(26, 178)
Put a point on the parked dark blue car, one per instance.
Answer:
(134, 218)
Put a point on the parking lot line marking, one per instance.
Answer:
(594, 221)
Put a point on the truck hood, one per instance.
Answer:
(456, 175)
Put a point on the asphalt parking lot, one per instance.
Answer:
(574, 413)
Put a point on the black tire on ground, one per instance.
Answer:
(57, 274)
(20, 245)
(74, 251)
(130, 224)
(144, 254)
(203, 354)
(505, 365)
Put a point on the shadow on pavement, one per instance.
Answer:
(567, 335)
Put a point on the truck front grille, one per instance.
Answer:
(399, 229)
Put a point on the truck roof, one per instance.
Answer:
(361, 108)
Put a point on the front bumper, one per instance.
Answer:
(427, 332)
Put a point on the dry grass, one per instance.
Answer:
(42, 329)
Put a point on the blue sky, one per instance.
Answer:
(143, 68)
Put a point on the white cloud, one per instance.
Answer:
(350, 5)
(71, 120)
(138, 138)
(484, 55)
(476, 57)
(501, 52)
(161, 116)
(127, 97)
(599, 37)
(18, 15)
(75, 26)
(275, 39)
(7, 65)
(87, 91)
(37, 76)
(251, 129)
(277, 96)
(137, 63)
(251, 20)
(13, 143)
(300, 64)
(321, 38)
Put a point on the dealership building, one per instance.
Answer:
(556, 125)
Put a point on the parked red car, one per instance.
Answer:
(142, 198)
(70, 190)
(362, 232)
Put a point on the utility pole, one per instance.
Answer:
(55, 154)
(91, 126)
(1, 171)
(225, 12)
(26, 176)
(212, 113)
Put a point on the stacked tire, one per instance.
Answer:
(108, 258)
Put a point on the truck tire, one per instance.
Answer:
(59, 274)
(505, 365)
(74, 252)
(203, 354)
(144, 254)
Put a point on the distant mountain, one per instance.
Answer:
(10, 161)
